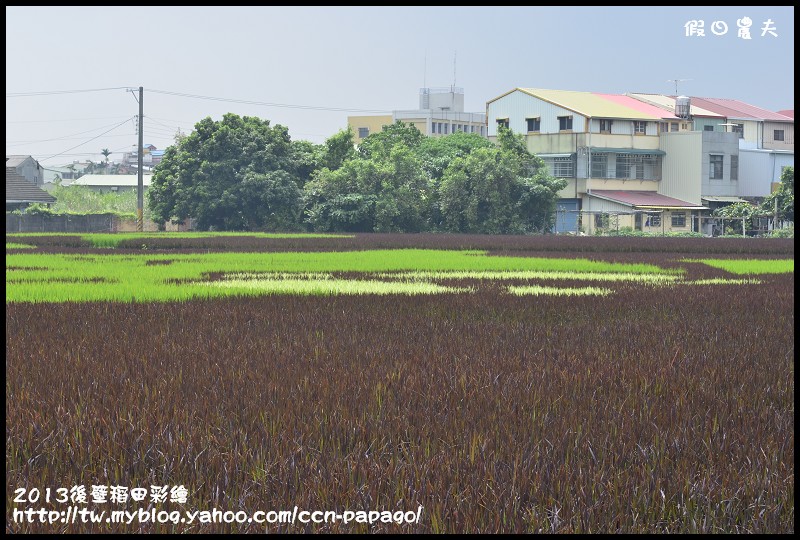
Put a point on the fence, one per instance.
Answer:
(660, 221)
(98, 223)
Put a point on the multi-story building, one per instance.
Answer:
(609, 148)
(750, 171)
(441, 112)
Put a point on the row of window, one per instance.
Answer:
(627, 166)
(777, 135)
(439, 127)
(639, 127)
(534, 125)
(602, 220)
(444, 127)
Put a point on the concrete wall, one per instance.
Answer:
(101, 223)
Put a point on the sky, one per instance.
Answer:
(73, 73)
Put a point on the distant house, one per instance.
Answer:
(27, 167)
(106, 183)
(21, 193)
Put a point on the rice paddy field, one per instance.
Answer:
(507, 384)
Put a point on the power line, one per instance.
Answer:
(90, 140)
(54, 92)
(63, 120)
(65, 137)
(266, 104)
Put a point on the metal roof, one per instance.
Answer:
(668, 103)
(787, 112)
(733, 108)
(597, 105)
(721, 198)
(644, 199)
(15, 160)
(20, 190)
(107, 180)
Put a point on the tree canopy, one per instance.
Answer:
(241, 173)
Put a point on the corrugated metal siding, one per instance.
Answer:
(701, 123)
(758, 169)
(681, 167)
(593, 204)
(788, 136)
(517, 106)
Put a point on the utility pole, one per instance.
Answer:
(140, 186)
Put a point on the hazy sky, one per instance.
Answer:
(311, 67)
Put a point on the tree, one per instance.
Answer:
(380, 194)
(338, 149)
(238, 173)
(783, 198)
(499, 190)
(380, 144)
(106, 152)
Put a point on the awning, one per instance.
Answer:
(647, 200)
(596, 150)
(554, 155)
(722, 198)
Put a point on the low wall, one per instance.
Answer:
(82, 224)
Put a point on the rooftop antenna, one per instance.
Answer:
(425, 71)
(454, 69)
(676, 81)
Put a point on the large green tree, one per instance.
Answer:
(379, 145)
(499, 190)
(782, 200)
(380, 194)
(238, 173)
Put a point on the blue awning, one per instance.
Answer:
(596, 150)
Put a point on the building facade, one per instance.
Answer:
(441, 112)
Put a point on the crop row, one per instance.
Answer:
(657, 410)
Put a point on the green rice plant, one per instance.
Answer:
(538, 290)
(14, 245)
(534, 274)
(750, 266)
(139, 277)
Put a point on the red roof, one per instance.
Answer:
(787, 112)
(733, 108)
(642, 198)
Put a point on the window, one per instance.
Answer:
(533, 124)
(664, 127)
(639, 128)
(363, 132)
(638, 166)
(605, 126)
(708, 128)
(602, 220)
(673, 126)
(563, 167)
(599, 165)
(738, 128)
(623, 166)
(446, 126)
(715, 172)
(565, 123)
(502, 122)
(686, 126)
(734, 167)
(653, 220)
(679, 219)
(778, 135)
